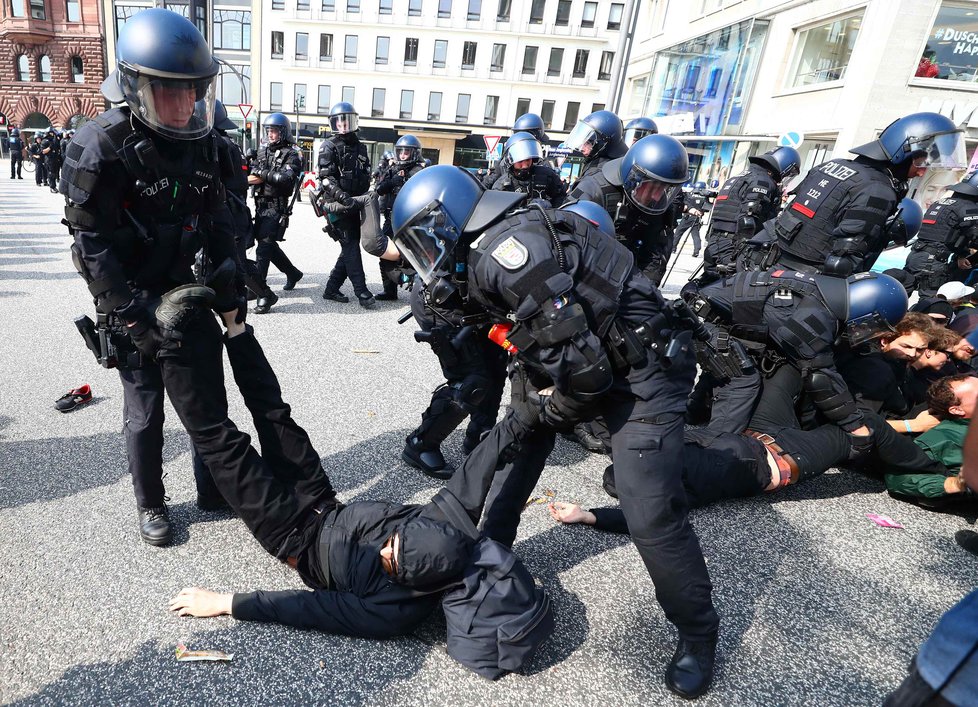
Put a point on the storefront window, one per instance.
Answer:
(822, 53)
(951, 51)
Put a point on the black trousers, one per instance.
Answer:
(349, 264)
(53, 172)
(269, 252)
(16, 165)
(930, 269)
(40, 172)
(691, 224)
(644, 413)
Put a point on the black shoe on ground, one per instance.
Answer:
(696, 255)
(212, 503)
(608, 481)
(182, 303)
(968, 539)
(386, 296)
(584, 436)
(54, 191)
(73, 398)
(292, 280)
(335, 296)
(366, 300)
(265, 302)
(691, 670)
(430, 461)
(154, 526)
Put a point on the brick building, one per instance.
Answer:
(55, 62)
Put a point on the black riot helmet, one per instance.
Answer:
(343, 118)
(930, 138)
(867, 304)
(905, 223)
(407, 151)
(594, 213)
(519, 149)
(598, 134)
(652, 171)
(281, 123)
(783, 162)
(221, 120)
(637, 128)
(531, 123)
(166, 74)
(967, 186)
(15, 133)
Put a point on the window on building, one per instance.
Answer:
(498, 57)
(77, 70)
(529, 60)
(235, 80)
(232, 29)
(353, 6)
(468, 55)
(348, 94)
(407, 103)
(462, 108)
(278, 45)
(302, 5)
(822, 53)
(434, 105)
(322, 102)
(708, 6)
(441, 54)
(44, 67)
(377, 103)
(556, 59)
(329, 5)
(386, 7)
(614, 15)
(444, 9)
(411, 51)
(536, 11)
(350, 49)
(573, 111)
(18, 8)
(503, 10)
(590, 12)
(604, 69)
(595, 107)
(414, 8)
(37, 10)
(278, 4)
(951, 51)
(299, 98)
(563, 13)
(522, 107)
(325, 47)
(547, 113)
(73, 10)
(383, 50)
(23, 68)
(580, 63)
(275, 96)
(475, 10)
(492, 107)
(301, 46)
(122, 15)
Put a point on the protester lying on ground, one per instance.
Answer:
(932, 365)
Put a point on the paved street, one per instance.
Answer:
(819, 606)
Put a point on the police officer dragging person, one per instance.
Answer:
(695, 206)
(842, 205)
(638, 192)
(525, 171)
(17, 148)
(742, 206)
(637, 128)
(405, 162)
(948, 238)
(144, 194)
(51, 149)
(344, 170)
(584, 320)
(527, 123)
(275, 180)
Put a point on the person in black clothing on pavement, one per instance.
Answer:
(694, 207)
(275, 180)
(37, 156)
(51, 149)
(405, 163)
(525, 171)
(344, 163)
(16, 145)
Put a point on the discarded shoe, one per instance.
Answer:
(74, 398)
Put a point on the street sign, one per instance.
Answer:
(245, 109)
(791, 139)
(491, 142)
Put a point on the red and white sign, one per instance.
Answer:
(491, 142)
(309, 181)
(245, 109)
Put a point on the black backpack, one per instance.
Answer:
(497, 616)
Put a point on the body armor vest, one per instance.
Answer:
(952, 223)
(275, 159)
(543, 183)
(730, 204)
(351, 163)
(387, 200)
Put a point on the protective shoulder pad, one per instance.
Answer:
(611, 170)
(94, 147)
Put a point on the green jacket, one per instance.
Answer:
(944, 443)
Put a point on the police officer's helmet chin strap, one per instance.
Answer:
(554, 238)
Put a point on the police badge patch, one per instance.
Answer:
(511, 254)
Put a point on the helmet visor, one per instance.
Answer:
(406, 154)
(524, 150)
(866, 328)
(426, 242)
(182, 109)
(633, 135)
(941, 150)
(584, 139)
(649, 193)
(344, 123)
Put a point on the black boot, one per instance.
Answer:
(584, 436)
(335, 296)
(292, 280)
(366, 300)
(691, 670)
(182, 303)
(428, 461)
(154, 526)
(265, 302)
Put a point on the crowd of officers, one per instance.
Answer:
(518, 276)
(46, 152)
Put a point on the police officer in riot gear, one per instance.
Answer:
(525, 171)
(948, 235)
(51, 149)
(16, 144)
(275, 179)
(343, 161)
(742, 206)
(585, 320)
(405, 162)
(527, 123)
(638, 192)
(143, 194)
(36, 156)
(695, 205)
(597, 138)
(637, 128)
(842, 205)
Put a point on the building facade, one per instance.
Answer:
(55, 62)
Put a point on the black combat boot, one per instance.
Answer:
(584, 436)
(366, 300)
(292, 279)
(265, 302)
(335, 296)
(691, 670)
(154, 526)
(428, 461)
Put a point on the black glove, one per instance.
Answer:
(525, 400)
(147, 337)
(861, 445)
(561, 412)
